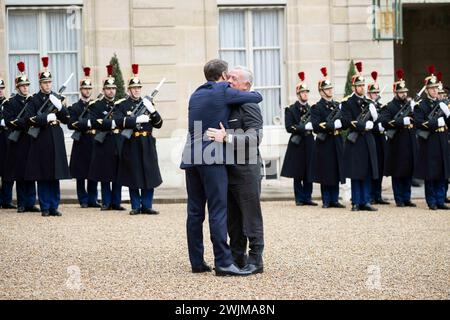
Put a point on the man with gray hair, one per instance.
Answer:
(245, 222)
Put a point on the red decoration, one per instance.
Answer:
(21, 66)
(440, 76)
(45, 62)
(301, 75)
(324, 72)
(374, 75)
(400, 74)
(358, 66)
(109, 69)
(431, 69)
(135, 68)
(87, 71)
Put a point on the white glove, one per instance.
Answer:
(56, 102)
(51, 117)
(441, 122)
(445, 109)
(406, 121)
(337, 124)
(373, 112)
(149, 105)
(309, 126)
(113, 125)
(381, 128)
(413, 104)
(2, 123)
(89, 123)
(369, 125)
(143, 119)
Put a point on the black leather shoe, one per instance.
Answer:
(433, 207)
(355, 207)
(381, 202)
(135, 212)
(94, 205)
(367, 207)
(325, 206)
(9, 206)
(241, 261)
(337, 205)
(203, 268)
(84, 206)
(299, 204)
(253, 269)
(106, 208)
(46, 213)
(410, 204)
(400, 205)
(443, 207)
(21, 210)
(310, 203)
(55, 213)
(32, 209)
(150, 212)
(118, 208)
(231, 270)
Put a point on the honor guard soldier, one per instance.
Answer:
(18, 147)
(328, 168)
(47, 158)
(107, 146)
(360, 155)
(432, 118)
(7, 186)
(373, 93)
(401, 151)
(297, 161)
(443, 96)
(138, 168)
(82, 148)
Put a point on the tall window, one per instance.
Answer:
(34, 33)
(254, 38)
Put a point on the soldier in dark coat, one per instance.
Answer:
(6, 186)
(328, 167)
(401, 151)
(297, 161)
(373, 93)
(82, 148)
(47, 158)
(16, 158)
(360, 154)
(443, 96)
(138, 168)
(106, 154)
(432, 117)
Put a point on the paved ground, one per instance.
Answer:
(310, 254)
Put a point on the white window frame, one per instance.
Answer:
(249, 49)
(43, 49)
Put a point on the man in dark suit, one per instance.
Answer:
(206, 174)
(297, 161)
(245, 221)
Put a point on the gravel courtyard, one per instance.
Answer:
(310, 254)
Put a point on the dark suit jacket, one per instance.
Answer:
(208, 107)
(247, 124)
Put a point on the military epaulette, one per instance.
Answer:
(345, 98)
(119, 101)
(4, 101)
(93, 101)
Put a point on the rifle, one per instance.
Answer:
(404, 112)
(15, 135)
(101, 135)
(141, 109)
(34, 131)
(436, 113)
(332, 117)
(364, 116)
(297, 139)
(76, 136)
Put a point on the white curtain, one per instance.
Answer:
(266, 47)
(61, 44)
(266, 61)
(232, 37)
